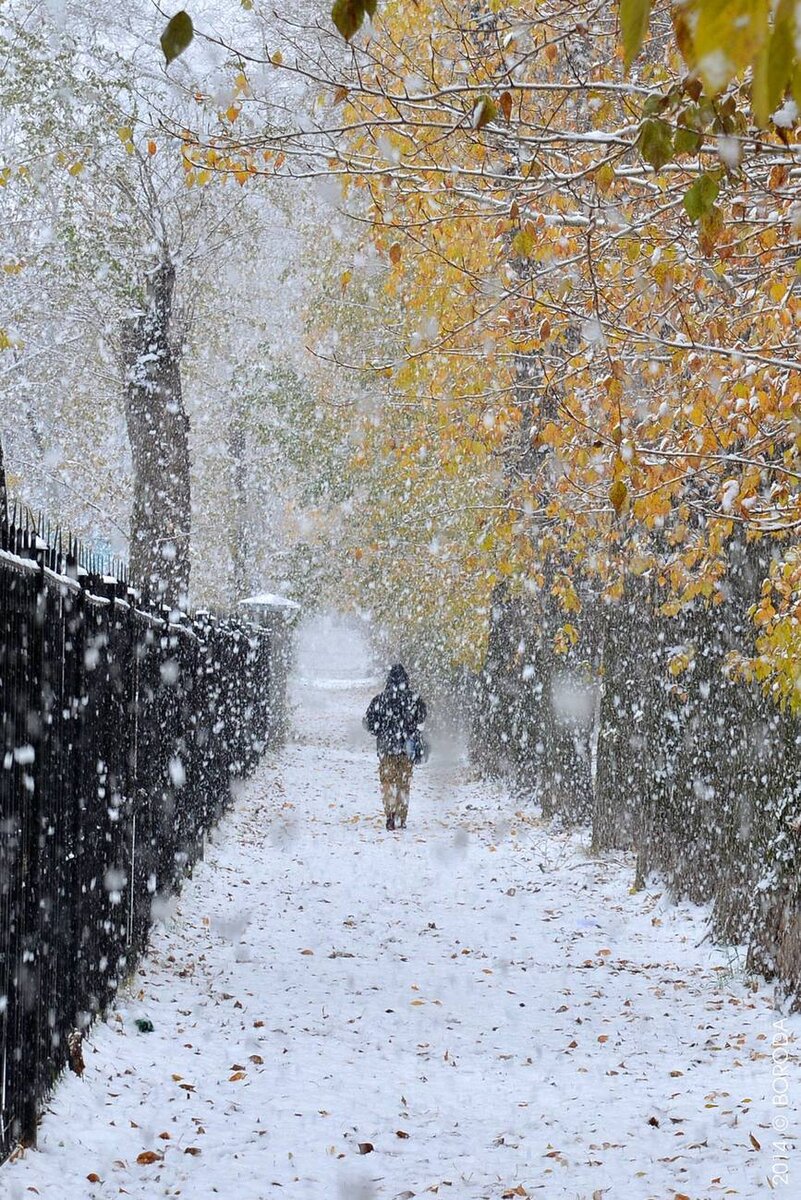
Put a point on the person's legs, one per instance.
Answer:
(387, 779)
(404, 784)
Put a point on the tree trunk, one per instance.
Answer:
(240, 551)
(623, 767)
(158, 430)
(3, 492)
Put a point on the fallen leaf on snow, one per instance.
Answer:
(366, 1147)
(147, 1157)
(193, 1150)
(401, 1133)
(94, 1177)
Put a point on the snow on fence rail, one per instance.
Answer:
(120, 731)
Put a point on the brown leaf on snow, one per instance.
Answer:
(366, 1147)
(94, 1177)
(188, 1087)
(165, 1137)
(517, 1191)
(757, 1145)
(237, 1075)
(307, 952)
(147, 1157)
(193, 1150)
(401, 1133)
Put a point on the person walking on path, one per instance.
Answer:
(394, 717)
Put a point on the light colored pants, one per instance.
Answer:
(395, 773)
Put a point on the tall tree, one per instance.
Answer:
(158, 430)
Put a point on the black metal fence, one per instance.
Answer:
(120, 733)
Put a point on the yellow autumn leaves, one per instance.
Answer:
(598, 357)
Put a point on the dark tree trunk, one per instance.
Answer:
(494, 713)
(775, 944)
(3, 492)
(625, 720)
(158, 430)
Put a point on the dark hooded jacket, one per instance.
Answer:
(395, 713)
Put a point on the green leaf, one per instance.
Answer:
(727, 38)
(653, 105)
(699, 199)
(177, 36)
(759, 88)
(781, 52)
(655, 142)
(686, 140)
(523, 243)
(710, 229)
(486, 110)
(634, 16)
(348, 16)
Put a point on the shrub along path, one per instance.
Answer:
(473, 1008)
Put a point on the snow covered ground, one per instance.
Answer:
(471, 1009)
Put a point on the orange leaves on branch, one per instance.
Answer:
(586, 307)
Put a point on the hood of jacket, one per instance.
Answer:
(397, 680)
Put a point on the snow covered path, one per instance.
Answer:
(471, 1009)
